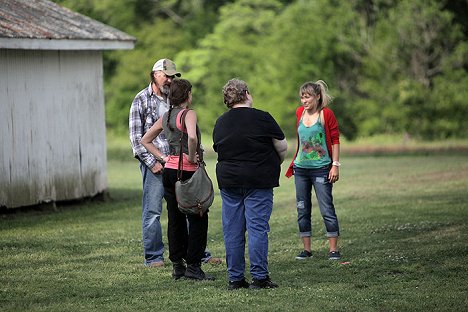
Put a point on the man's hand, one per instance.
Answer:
(158, 168)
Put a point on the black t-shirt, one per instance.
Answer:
(242, 137)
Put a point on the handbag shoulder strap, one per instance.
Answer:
(180, 167)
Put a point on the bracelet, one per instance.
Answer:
(336, 163)
(160, 160)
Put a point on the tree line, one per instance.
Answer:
(392, 66)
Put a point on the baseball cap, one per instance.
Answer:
(166, 66)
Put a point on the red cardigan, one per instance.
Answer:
(332, 133)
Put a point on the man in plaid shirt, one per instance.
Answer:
(149, 105)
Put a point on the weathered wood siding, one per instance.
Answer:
(52, 126)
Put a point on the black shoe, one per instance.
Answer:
(334, 255)
(195, 272)
(304, 255)
(262, 283)
(238, 284)
(178, 269)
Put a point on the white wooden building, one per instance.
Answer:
(52, 121)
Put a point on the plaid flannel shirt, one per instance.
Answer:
(146, 109)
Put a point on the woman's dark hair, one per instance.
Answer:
(178, 94)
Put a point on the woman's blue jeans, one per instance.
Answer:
(246, 210)
(318, 178)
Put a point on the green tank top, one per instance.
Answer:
(312, 152)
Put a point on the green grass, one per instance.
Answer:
(404, 227)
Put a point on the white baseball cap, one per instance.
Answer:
(166, 66)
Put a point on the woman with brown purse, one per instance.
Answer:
(186, 245)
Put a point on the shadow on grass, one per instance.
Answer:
(112, 199)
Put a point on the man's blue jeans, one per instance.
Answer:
(318, 178)
(246, 210)
(153, 192)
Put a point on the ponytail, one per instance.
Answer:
(325, 98)
(169, 118)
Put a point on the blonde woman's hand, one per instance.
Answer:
(334, 174)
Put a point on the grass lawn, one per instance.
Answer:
(404, 232)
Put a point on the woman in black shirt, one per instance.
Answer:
(251, 147)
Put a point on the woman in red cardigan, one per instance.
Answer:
(316, 164)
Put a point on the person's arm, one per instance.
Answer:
(191, 125)
(336, 154)
(136, 118)
(334, 173)
(147, 141)
(281, 147)
(334, 132)
(290, 171)
(277, 136)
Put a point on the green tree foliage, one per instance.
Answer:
(133, 72)
(391, 66)
(312, 40)
(234, 49)
(449, 100)
(407, 70)
(162, 28)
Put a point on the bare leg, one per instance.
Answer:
(306, 242)
(333, 241)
